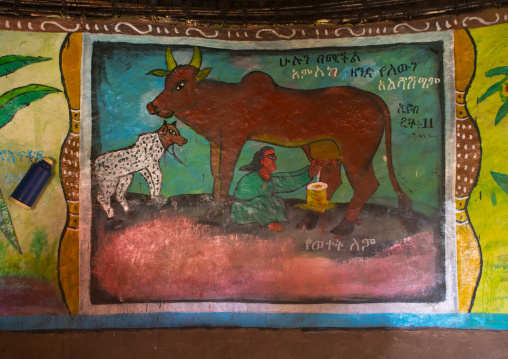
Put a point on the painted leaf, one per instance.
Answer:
(503, 111)
(496, 71)
(18, 98)
(6, 225)
(160, 73)
(501, 180)
(11, 63)
(491, 90)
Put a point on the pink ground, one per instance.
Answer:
(178, 259)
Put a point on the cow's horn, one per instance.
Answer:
(170, 61)
(196, 58)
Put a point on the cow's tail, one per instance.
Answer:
(405, 206)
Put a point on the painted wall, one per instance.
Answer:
(184, 267)
(36, 131)
(487, 206)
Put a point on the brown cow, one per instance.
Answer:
(340, 124)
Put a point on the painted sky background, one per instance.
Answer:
(121, 89)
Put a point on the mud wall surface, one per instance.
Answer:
(256, 343)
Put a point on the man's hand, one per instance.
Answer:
(316, 166)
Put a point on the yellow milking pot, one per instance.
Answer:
(316, 196)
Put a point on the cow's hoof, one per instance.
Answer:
(216, 210)
(157, 201)
(344, 228)
(410, 224)
(309, 221)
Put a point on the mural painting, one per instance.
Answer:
(253, 208)
(198, 176)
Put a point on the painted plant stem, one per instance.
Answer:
(6, 225)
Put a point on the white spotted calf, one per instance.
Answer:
(113, 171)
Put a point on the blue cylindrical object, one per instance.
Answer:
(32, 183)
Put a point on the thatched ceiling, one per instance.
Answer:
(244, 12)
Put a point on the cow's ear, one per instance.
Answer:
(202, 74)
(159, 73)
